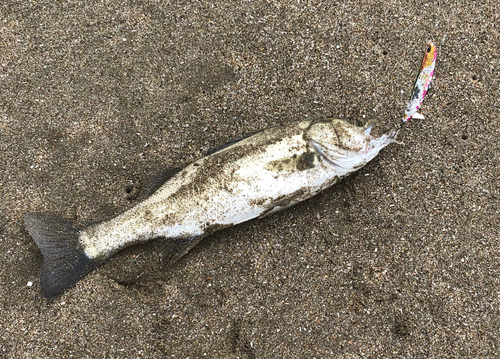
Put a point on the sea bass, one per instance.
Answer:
(249, 178)
(261, 174)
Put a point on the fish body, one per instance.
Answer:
(271, 170)
(424, 80)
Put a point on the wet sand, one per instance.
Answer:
(399, 260)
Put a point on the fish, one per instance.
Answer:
(422, 83)
(249, 178)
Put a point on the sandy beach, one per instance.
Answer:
(399, 260)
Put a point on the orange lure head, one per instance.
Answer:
(430, 55)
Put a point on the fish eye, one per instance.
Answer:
(429, 48)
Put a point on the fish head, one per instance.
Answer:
(345, 145)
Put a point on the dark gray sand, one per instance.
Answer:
(399, 260)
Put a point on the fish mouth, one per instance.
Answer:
(391, 134)
(372, 129)
(373, 132)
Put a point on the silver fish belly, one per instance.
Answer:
(271, 170)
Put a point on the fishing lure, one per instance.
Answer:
(422, 83)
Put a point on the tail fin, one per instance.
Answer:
(64, 261)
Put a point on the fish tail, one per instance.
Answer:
(64, 261)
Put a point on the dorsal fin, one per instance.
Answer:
(232, 142)
(152, 185)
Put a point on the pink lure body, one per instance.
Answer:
(423, 82)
